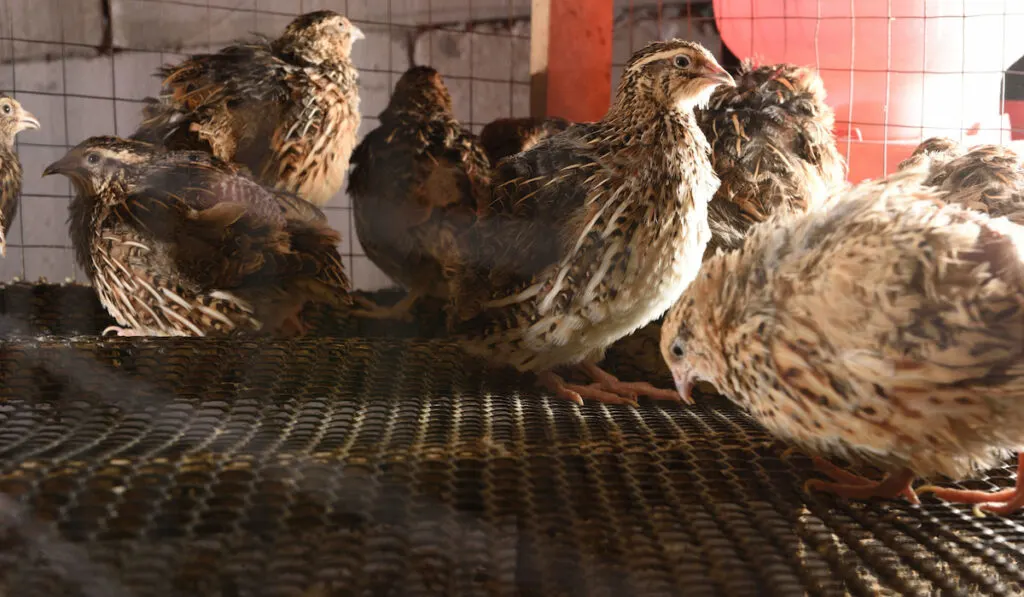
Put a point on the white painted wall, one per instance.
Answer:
(77, 93)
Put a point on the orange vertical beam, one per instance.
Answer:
(571, 58)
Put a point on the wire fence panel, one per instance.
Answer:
(84, 68)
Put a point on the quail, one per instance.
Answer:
(933, 152)
(508, 136)
(988, 178)
(13, 120)
(415, 184)
(885, 327)
(287, 109)
(771, 145)
(183, 244)
(593, 232)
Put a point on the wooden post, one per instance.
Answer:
(571, 58)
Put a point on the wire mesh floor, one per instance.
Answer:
(362, 466)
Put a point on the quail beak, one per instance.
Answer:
(684, 385)
(27, 121)
(66, 165)
(356, 33)
(713, 72)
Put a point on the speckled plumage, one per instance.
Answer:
(933, 152)
(594, 231)
(13, 120)
(182, 243)
(886, 327)
(771, 145)
(988, 178)
(508, 136)
(287, 109)
(415, 184)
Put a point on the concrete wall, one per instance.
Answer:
(77, 92)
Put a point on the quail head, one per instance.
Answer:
(13, 120)
(415, 185)
(287, 109)
(885, 328)
(772, 146)
(183, 244)
(508, 136)
(594, 231)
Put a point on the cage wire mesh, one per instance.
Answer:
(85, 70)
(387, 466)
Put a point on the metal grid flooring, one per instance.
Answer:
(383, 466)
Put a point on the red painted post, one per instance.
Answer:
(571, 58)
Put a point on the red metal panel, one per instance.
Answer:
(578, 36)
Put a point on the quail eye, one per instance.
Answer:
(683, 61)
(7, 108)
(93, 158)
(677, 349)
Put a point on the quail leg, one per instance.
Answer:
(400, 311)
(609, 383)
(851, 486)
(1003, 502)
(576, 393)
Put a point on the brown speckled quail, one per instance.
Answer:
(595, 231)
(416, 181)
(286, 109)
(13, 120)
(989, 178)
(885, 328)
(933, 152)
(183, 244)
(508, 136)
(771, 145)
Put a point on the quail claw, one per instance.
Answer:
(852, 486)
(1002, 502)
(576, 393)
(611, 384)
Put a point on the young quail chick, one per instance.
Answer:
(509, 136)
(772, 146)
(886, 328)
(13, 120)
(416, 182)
(931, 153)
(987, 178)
(595, 231)
(287, 109)
(183, 244)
